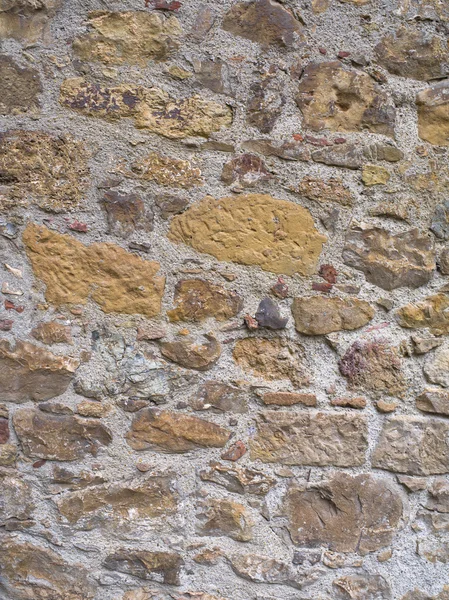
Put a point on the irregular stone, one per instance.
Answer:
(438, 496)
(20, 87)
(52, 332)
(362, 587)
(263, 21)
(215, 75)
(413, 484)
(310, 438)
(152, 108)
(132, 37)
(197, 300)
(224, 518)
(280, 237)
(375, 175)
(346, 513)
(166, 171)
(390, 260)
(219, 397)
(49, 171)
(436, 367)
(27, 20)
(440, 221)
(413, 445)
(167, 431)
(4, 430)
(73, 273)
(88, 408)
(16, 502)
(433, 401)
(285, 150)
(289, 399)
(55, 408)
(63, 479)
(264, 106)
(58, 437)
(8, 455)
(330, 190)
(336, 97)
(409, 52)
(418, 595)
(204, 20)
(29, 372)
(349, 402)
(318, 315)
(264, 569)
(433, 113)
(154, 566)
(443, 261)
(246, 170)
(375, 366)
(428, 313)
(274, 358)
(347, 156)
(191, 355)
(383, 151)
(234, 452)
(170, 205)
(126, 213)
(269, 316)
(238, 480)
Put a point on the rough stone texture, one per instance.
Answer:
(21, 88)
(219, 397)
(433, 114)
(433, 400)
(224, 518)
(431, 313)
(436, 367)
(330, 190)
(126, 213)
(318, 315)
(362, 587)
(246, 170)
(27, 20)
(262, 569)
(197, 300)
(192, 355)
(147, 565)
(167, 171)
(237, 479)
(52, 332)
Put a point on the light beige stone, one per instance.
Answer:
(319, 315)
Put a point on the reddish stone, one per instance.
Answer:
(11, 306)
(250, 322)
(39, 463)
(4, 430)
(280, 288)
(340, 140)
(78, 226)
(173, 6)
(322, 287)
(5, 324)
(318, 141)
(329, 273)
(322, 51)
(235, 452)
(343, 54)
(298, 137)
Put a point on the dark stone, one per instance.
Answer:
(268, 315)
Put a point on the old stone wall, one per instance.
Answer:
(224, 263)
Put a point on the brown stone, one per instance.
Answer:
(247, 170)
(27, 20)
(170, 205)
(126, 213)
(16, 502)
(436, 367)
(146, 565)
(413, 484)
(197, 300)
(166, 171)
(31, 572)
(263, 109)
(20, 87)
(287, 150)
(439, 496)
(52, 332)
(375, 175)
(383, 151)
(88, 408)
(49, 171)
(273, 358)
(224, 518)
(29, 372)
(128, 37)
(443, 261)
(390, 260)
(289, 399)
(263, 21)
(433, 114)
(348, 402)
(329, 190)
(413, 445)
(238, 480)
(347, 156)
(149, 332)
(216, 75)
(433, 400)
(64, 479)
(318, 315)
(73, 273)
(280, 236)
(191, 355)
(173, 432)
(58, 437)
(8, 455)
(424, 343)
(310, 438)
(361, 587)
(432, 312)
(4, 430)
(345, 513)
(219, 397)
(152, 108)
(340, 98)
(418, 595)
(264, 569)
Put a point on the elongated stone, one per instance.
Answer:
(318, 315)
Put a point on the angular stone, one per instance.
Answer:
(191, 355)
(289, 399)
(216, 75)
(73, 273)
(390, 260)
(383, 151)
(49, 171)
(440, 221)
(31, 572)
(52, 332)
(8, 455)
(413, 445)
(58, 437)
(418, 595)
(269, 316)
(436, 367)
(166, 171)
(238, 480)
(154, 566)
(340, 98)
(16, 502)
(246, 170)
(264, 569)
(167, 431)
(443, 261)
(27, 20)
(280, 236)
(362, 587)
(170, 205)
(273, 358)
(64, 479)
(224, 518)
(263, 21)
(347, 156)
(197, 300)
(126, 213)
(310, 438)
(128, 38)
(439, 496)
(287, 150)
(431, 312)
(20, 87)
(433, 401)
(318, 315)
(264, 107)
(346, 513)
(152, 108)
(219, 397)
(329, 190)
(29, 372)
(433, 113)
(375, 175)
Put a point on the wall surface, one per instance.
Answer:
(224, 264)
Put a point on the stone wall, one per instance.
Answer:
(224, 300)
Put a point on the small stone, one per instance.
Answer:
(280, 288)
(6, 324)
(385, 555)
(433, 114)
(264, 107)
(289, 399)
(8, 455)
(318, 315)
(150, 332)
(264, 569)
(440, 221)
(250, 323)
(329, 190)
(126, 213)
(329, 273)
(413, 484)
(20, 88)
(436, 367)
(247, 170)
(191, 355)
(362, 587)
(170, 205)
(382, 151)
(268, 315)
(219, 397)
(238, 480)
(166, 171)
(197, 300)
(375, 175)
(224, 518)
(216, 75)
(178, 72)
(234, 452)
(55, 408)
(143, 564)
(433, 400)
(203, 23)
(386, 407)
(52, 332)
(4, 430)
(428, 313)
(92, 409)
(348, 402)
(27, 21)
(423, 344)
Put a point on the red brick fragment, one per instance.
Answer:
(11, 306)
(343, 54)
(329, 273)
(173, 6)
(280, 288)
(250, 322)
(78, 226)
(322, 287)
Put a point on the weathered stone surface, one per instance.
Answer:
(16, 502)
(29, 372)
(128, 37)
(375, 175)
(382, 150)
(443, 261)
(289, 399)
(413, 445)
(349, 402)
(247, 170)
(263, 21)
(191, 355)
(52, 332)
(433, 113)
(224, 518)
(436, 367)
(329, 190)
(280, 236)
(126, 213)
(8, 455)
(167, 171)
(219, 397)
(362, 587)
(173, 432)
(49, 171)
(264, 569)
(439, 496)
(346, 513)
(333, 96)
(287, 150)
(318, 315)
(239, 480)
(433, 400)
(268, 315)
(152, 108)
(64, 479)
(26, 20)
(418, 595)
(375, 366)
(197, 299)
(272, 359)
(144, 564)
(4, 430)
(170, 205)
(31, 572)
(348, 156)
(117, 280)
(58, 437)
(431, 312)
(264, 107)
(390, 260)
(440, 221)
(313, 439)
(20, 87)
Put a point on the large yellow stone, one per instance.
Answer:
(252, 229)
(117, 280)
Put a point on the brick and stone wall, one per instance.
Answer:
(224, 260)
